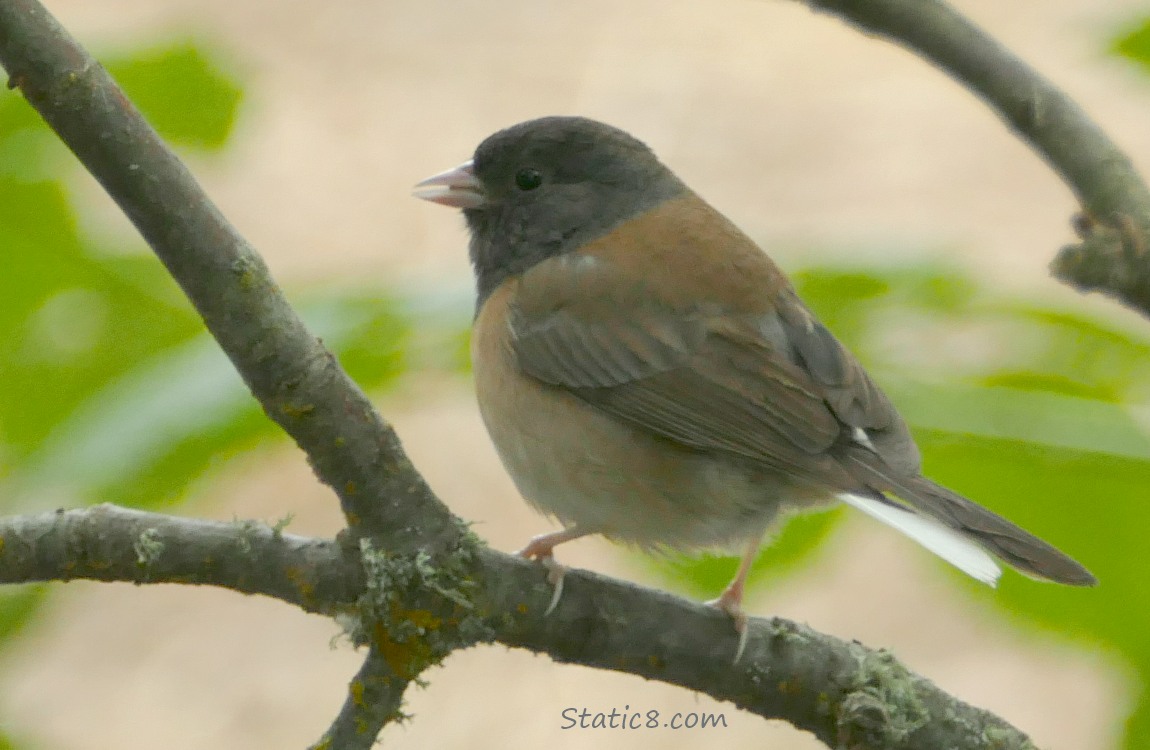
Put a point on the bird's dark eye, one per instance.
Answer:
(528, 179)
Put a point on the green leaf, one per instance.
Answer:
(705, 576)
(29, 151)
(182, 91)
(1134, 44)
(17, 606)
(1040, 418)
(71, 317)
(142, 438)
(70, 321)
(1091, 505)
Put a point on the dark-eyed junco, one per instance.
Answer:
(647, 373)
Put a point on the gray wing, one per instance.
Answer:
(774, 387)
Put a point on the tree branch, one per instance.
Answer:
(843, 693)
(1113, 257)
(373, 699)
(109, 543)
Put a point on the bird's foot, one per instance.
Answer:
(542, 548)
(731, 602)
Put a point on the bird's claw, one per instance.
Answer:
(732, 605)
(542, 551)
(555, 575)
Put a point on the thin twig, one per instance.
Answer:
(1115, 199)
(373, 700)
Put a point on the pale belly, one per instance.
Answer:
(584, 468)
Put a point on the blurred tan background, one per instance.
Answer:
(801, 130)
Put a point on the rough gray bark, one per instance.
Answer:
(844, 693)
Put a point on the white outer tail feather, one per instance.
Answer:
(943, 541)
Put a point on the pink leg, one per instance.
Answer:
(542, 548)
(731, 600)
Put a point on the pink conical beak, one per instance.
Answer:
(458, 188)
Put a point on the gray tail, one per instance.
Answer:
(1012, 544)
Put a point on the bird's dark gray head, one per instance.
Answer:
(548, 186)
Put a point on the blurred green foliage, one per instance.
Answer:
(183, 92)
(111, 391)
(1133, 43)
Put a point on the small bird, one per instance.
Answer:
(647, 373)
